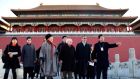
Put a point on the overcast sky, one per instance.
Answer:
(6, 5)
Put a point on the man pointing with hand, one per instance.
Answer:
(100, 55)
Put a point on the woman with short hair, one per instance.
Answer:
(67, 56)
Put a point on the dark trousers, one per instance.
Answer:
(36, 70)
(75, 75)
(67, 75)
(82, 76)
(91, 77)
(91, 72)
(50, 77)
(28, 70)
(102, 70)
(7, 73)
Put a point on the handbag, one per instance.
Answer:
(4, 58)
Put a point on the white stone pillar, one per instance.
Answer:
(132, 56)
(117, 58)
(132, 62)
(116, 65)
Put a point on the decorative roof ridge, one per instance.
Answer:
(4, 25)
(135, 23)
(68, 7)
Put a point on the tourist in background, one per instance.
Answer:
(67, 57)
(28, 58)
(12, 54)
(100, 55)
(83, 50)
(48, 58)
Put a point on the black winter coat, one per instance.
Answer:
(67, 55)
(82, 57)
(14, 61)
(102, 56)
(59, 48)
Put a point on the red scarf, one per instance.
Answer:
(52, 48)
(14, 44)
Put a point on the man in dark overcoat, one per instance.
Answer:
(83, 50)
(28, 58)
(100, 55)
(59, 49)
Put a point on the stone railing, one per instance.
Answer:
(128, 69)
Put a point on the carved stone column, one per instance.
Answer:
(132, 56)
(117, 58)
(116, 65)
(132, 62)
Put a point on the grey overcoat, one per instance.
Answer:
(48, 63)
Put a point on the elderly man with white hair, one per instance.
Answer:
(67, 56)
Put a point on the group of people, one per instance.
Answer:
(81, 62)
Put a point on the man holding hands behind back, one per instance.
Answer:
(100, 55)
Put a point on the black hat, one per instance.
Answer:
(48, 36)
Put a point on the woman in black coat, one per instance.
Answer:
(12, 54)
(67, 56)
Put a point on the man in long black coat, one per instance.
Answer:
(28, 58)
(60, 48)
(100, 54)
(83, 50)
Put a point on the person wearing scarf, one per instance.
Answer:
(48, 58)
(12, 54)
